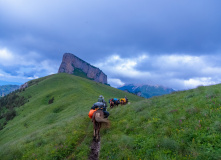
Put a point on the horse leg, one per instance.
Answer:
(97, 134)
(94, 133)
(99, 127)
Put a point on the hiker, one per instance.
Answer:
(101, 105)
(101, 98)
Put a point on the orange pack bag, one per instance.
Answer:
(91, 112)
(123, 99)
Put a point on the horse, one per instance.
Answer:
(123, 101)
(98, 119)
(117, 102)
(112, 104)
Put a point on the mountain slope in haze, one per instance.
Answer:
(146, 91)
(57, 130)
(6, 89)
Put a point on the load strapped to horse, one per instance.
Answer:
(114, 102)
(123, 101)
(98, 106)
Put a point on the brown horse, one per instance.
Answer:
(112, 104)
(122, 102)
(98, 119)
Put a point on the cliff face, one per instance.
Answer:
(71, 64)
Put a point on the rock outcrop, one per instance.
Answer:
(23, 86)
(71, 64)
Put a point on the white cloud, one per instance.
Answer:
(179, 61)
(192, 83)
(187, 71)
(27, 66)
(115, 65)
(8, 58)
(175, 71)
(114, 82)
(5, 56)
(34, 77)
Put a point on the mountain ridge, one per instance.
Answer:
(145, 90)
(6, 89)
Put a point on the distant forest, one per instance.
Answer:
(8, 104)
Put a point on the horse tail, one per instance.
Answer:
(98, 118)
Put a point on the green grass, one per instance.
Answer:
(59, 130)
(179, 126)
(80, 73)
(182, 125)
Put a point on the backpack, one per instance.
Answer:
(99, 105)
(91, 112)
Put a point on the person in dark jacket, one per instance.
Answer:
(100, 99)
(101, 104)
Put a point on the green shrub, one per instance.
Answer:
(10, 114)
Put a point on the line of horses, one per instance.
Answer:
(98, 116)
(115, 102)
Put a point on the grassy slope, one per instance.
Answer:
(58, 130)
(182, 125)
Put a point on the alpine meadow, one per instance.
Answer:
(54, 123)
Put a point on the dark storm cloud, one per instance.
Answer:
(104, 27)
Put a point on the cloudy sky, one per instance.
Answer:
(172, 43)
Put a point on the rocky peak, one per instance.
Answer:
(71, 64)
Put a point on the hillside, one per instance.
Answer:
(57, 130)
(146, 91)
(6, 89)
(182, 125)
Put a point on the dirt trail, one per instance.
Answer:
(95, 149)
